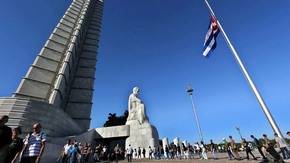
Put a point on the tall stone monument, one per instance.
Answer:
(142, 133)
(57, 90)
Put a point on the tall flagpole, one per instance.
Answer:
(247, 76)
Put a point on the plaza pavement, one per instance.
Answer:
(222, 159)
(195, 161)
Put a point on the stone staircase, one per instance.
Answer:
(25, 112)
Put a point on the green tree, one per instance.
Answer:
(114, 120)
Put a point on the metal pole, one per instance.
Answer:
(248, 78)
(239, 131)
(195, 114)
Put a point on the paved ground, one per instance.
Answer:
(222, 159)
(195, 161)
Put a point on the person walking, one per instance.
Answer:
(117, 151)
(271, 150)
(16, 145)
(203, 151)
(34, 145)
(234, 148)
(228, 149)
(5, 138)
(282, 145)
(259, 146)
(248, 149)
(213, 150)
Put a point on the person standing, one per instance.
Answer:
(150, 153)
(97, 152)
(129, 153)
(282, 145)
(117, 151)
(259, 146)
(34, 145)
(139, 153)
(185, 151)
(74, 151)
(248, 149)
(86, 151)
(178, 152)
(5, 138)
(162, 153)
(144, 152)
(66, 148)
(105, 152)
(135, 153)
(288, 133)
(213, 150)
(158, 153)
(16, 145)
(167, 152)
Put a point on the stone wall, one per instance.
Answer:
(25, 112)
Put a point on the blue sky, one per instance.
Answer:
(156, 45)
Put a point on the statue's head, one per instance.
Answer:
(136, 90)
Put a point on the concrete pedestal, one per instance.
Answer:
(143, 136)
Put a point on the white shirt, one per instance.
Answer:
(33, 142)
(66, 148)
(281, 142)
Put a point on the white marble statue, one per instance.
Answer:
(136, 108)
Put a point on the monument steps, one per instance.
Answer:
(57, 90)
(22, 113)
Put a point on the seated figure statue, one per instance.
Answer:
(136, 108)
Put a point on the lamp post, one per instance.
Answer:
(189, 91)
(239, 131)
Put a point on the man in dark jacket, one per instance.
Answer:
(5, 138)
(259, 146)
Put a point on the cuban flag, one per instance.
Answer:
(210, 38)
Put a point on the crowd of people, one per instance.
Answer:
(200, 150)
(75, 152)
(270, 151)
(15, 149)
(30, 149)
(265, 147)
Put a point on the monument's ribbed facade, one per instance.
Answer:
(57, 90)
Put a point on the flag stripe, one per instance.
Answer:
(210, 38)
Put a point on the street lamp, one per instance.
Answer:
(239, 131)
(189, 91)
